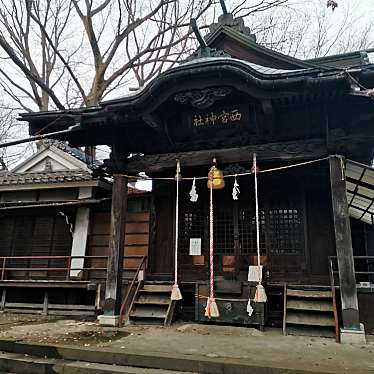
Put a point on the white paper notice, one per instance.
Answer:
(195, 246)
(253, 273)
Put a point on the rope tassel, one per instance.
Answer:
(260, 295)
(211, 310)
(175, 292)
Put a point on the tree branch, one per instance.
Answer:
(31, 76)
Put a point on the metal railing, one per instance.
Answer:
(363, 263)
(66, 265)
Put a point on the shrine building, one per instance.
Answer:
(308, 237)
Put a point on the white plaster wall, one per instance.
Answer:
(41, 165)
(79, 241)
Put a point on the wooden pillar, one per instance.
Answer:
(113, 287)
(343, 242)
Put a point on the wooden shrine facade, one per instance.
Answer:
(229, 108)
(294, 240)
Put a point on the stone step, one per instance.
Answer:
(24, 364)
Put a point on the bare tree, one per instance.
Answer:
(72, 51)
(68, 53)
(24, 26)
(314, 30)
(10, 128)
(76, 52)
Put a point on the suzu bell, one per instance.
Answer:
(215, 177)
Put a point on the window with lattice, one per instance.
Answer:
(223, 232)
(285, 231)
(247, 231)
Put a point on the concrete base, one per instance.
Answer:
(112, 321)
(353, 336)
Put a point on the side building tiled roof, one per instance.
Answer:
(75, 152)
(65, 176)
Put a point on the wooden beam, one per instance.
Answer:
(286, 151)
(343, 242)
(112, 300)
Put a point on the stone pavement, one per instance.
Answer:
(184, 343)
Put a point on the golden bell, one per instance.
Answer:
(215, 179)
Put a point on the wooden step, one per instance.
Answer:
(304, 330)
(310, 304)
(309, 294)
(153, 305)
(148, 314)
(147, 321)
(151, 302)
(158, 288)
(153, 297)
(300, 318)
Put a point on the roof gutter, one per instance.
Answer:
(56, 205)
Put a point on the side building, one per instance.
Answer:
(54, 232)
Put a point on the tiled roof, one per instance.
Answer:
(75, 152)
(66, 176)
(344, 60)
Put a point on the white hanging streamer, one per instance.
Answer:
(68, 223)
(249, 307)
(193, 194)
(235, 190)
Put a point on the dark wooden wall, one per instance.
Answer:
(137, 236)
(162, 238)
(28, 234)
(320, 239)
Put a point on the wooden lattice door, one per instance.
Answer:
(282, 243)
